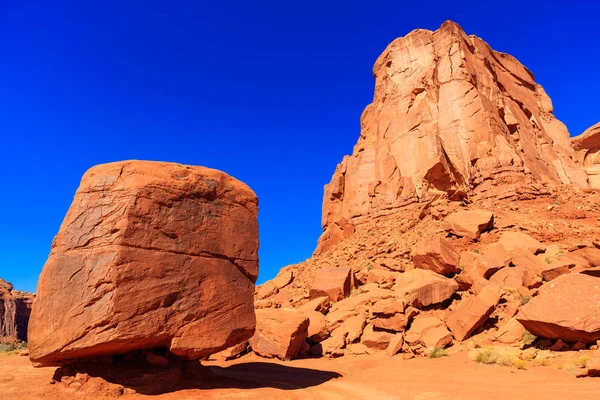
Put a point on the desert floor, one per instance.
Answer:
(250, 377)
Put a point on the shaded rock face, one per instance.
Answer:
(149, 255)
(566, 308)
(587, 148)
(450, 114)
(15, 308)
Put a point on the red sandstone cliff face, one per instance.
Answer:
(587, 147)
(15, 308)
(450, 114)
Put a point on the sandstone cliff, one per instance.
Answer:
(587, 147)
(450, 114)
(15, 308)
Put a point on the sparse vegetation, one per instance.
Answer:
(476, 251)
(548, 260)
(543, 361)
(556, 203)
(462, 267)
(437, 352)
(490, 356)
(10, 347)
(528, 338)
(510, 290)
(581, 362)
(525, 300)
(560, 253)
(419, 232)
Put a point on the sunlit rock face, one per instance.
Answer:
(587, 147)
(450, 114)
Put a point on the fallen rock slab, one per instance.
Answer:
(423, 288)
(566, 308)
(469, 223)
(333, 282)
(472, 312)
(437, 255)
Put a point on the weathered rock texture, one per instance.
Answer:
(15, 308)
(149, 255)
(587, 148)
(461, 203)
(566, 308)
(449, 113)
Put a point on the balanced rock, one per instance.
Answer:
(450, 114)
(149, 255)
(435, 254)
(469, 223)
(280, 333)
(587, 148)
(566, 308)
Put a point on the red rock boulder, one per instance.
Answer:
(280, 333)
(333, 282)
(472, 312)
(566, 308)
(469, 223)
(149, 255)
(437, 255)
(423, 288)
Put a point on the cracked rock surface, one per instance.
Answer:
(450, 114)
(149, 255)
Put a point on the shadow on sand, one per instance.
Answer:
(168, 379)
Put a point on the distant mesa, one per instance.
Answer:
(150, 255)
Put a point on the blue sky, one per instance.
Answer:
(269, 92)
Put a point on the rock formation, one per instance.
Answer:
(15, 308)
(449, 115)
(587, 148)
(462, 208)
(149, 255)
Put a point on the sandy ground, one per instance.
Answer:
(373, 377)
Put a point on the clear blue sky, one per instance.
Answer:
(268, 91)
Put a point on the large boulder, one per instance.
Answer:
(437, 255)
(566, 308)
(472, 312)
(149, 255)
(512, 241)
(428, 332)
(333, 282)
(469, 223)
(280, 333)
(423, 288)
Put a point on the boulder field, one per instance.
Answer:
(465, 217)
(150, 255)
